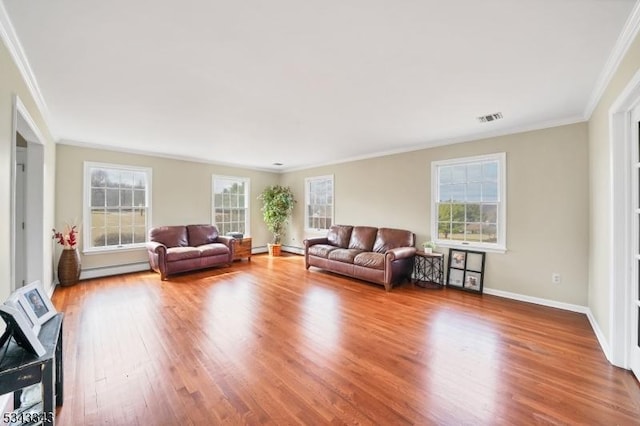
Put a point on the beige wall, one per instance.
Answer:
(181, 194)
(547, 210)
(600, 192)
(11, 83)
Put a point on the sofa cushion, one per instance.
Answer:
(200, 235)
(363, 237)
(388, 238)
(213, 249)
(321, 250)
(344, 255)
(170, 236)
(182, 253)
(339, 235)
(370, 259)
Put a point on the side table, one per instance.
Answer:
(428, 268)
(242, 249)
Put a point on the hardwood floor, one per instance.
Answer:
(267, 342)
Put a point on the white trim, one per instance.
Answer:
(620, 223)
(247, 196)
(105, 271)
(599, 335)
(626, 37)
(537, 300)
(21, 121)
(558, 305)
(293, 249)
(501, 245)
(163, 155)
(449, 141)
(10, 39)
(86, 207)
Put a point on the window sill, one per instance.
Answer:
(107, 250)
(471, 246)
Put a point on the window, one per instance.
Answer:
(318, 196)
(231, 204)
(469, 202)
(117, 208)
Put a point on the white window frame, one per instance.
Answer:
(247, 215)
(86, 221)
(501, 245)
(307, 194)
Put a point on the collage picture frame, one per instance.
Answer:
(466, 270)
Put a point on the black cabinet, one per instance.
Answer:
(20, 369)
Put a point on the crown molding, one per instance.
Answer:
(450, 141)
(11, 41)
(626, 37)
(158, 154)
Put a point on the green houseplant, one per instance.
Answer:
(277, 206)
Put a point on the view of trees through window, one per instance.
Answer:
(319, 202)
(118, 206)
(468, 198)
(230, 204)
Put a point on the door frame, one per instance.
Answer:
(34, 204)
(620, 208)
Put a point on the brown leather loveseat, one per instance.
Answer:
(174, 249)
(379, 255)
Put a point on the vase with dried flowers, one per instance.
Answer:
(69, 266)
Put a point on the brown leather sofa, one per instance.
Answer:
(174, 249)
(379, 255)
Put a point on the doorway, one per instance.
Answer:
(27, 200)
(624, 308)
(634, 287)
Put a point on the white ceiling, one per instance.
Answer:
(310, 82)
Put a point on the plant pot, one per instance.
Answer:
(69, 267)
(428, 250)
(274, 249)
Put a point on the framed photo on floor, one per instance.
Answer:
(466, 270)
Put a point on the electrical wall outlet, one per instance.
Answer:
(555, 278)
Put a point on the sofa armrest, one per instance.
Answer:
(401, 253)
(313, 241)
(156, 247)
(227, 241)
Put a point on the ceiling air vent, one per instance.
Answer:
(490, 117)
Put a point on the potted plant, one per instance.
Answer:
(429, 246)
(277, 207)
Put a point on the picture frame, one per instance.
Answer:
(456, 277)
(19, 326)
(457, 258)
(466, 270)
(34, 302)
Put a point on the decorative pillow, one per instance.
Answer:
(200, 235)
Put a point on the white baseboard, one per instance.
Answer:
(604, 345)
(537, 300)
(105, 271)
(287, 249)
(600, 336)
(293, 249)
